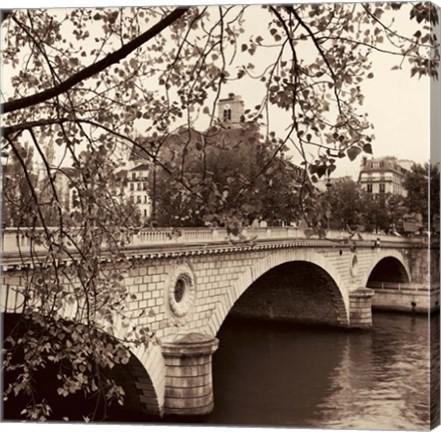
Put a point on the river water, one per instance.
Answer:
(268, 373)
(274, 374)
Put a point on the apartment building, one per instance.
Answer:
(383, 175)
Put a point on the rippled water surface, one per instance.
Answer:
(273, 374)
(280, 374)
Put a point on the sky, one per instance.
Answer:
(398, 106)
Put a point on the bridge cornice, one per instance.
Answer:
(180, 250)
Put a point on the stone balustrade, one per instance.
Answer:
(18, 240)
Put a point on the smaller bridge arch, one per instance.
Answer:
(387, 266)
(276, 259)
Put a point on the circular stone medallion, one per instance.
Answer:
(180, 291)
(354, 266)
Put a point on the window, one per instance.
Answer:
(133, 176)
(227, 114)
(138, 199)
(144, 186)
(139, 186)
(381, 164)
(145, 199)
(382, 188)
(145, 213)
(132, 187)
(369, 188)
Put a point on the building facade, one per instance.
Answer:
(137, 185)
(231, 111)
(383, 175)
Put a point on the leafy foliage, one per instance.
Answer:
(228, 174)
(344, 205)
(16, 192)
(421, 183)
(384, 212)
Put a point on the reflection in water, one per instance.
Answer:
(382, 381)
(267, 373)
(282, 374)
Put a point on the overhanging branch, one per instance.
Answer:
(93, 69)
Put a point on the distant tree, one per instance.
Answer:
(346, 203)
(228, 173)
(278, 191)
(346, 206)
(396, 208)
(341, 205)
(382, 212)
(418, 182)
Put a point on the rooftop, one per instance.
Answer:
(142, 167)
(389, 164)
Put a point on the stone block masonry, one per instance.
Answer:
(360, 307)
(188, 380)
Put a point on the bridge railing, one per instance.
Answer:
(158, 236)
(16, 240)
(399, 286)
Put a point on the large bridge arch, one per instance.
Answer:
(395, 260)
(145, 371)
(264, 265)
(140, 377)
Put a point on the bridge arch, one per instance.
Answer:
(142, 378)
(145, 371)
(387, 266)
(279, 258)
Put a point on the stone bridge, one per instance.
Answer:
(191, 279)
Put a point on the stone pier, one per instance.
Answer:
(188, 381)
(360, 308)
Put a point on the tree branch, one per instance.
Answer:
(291, 10)
(94, 68)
